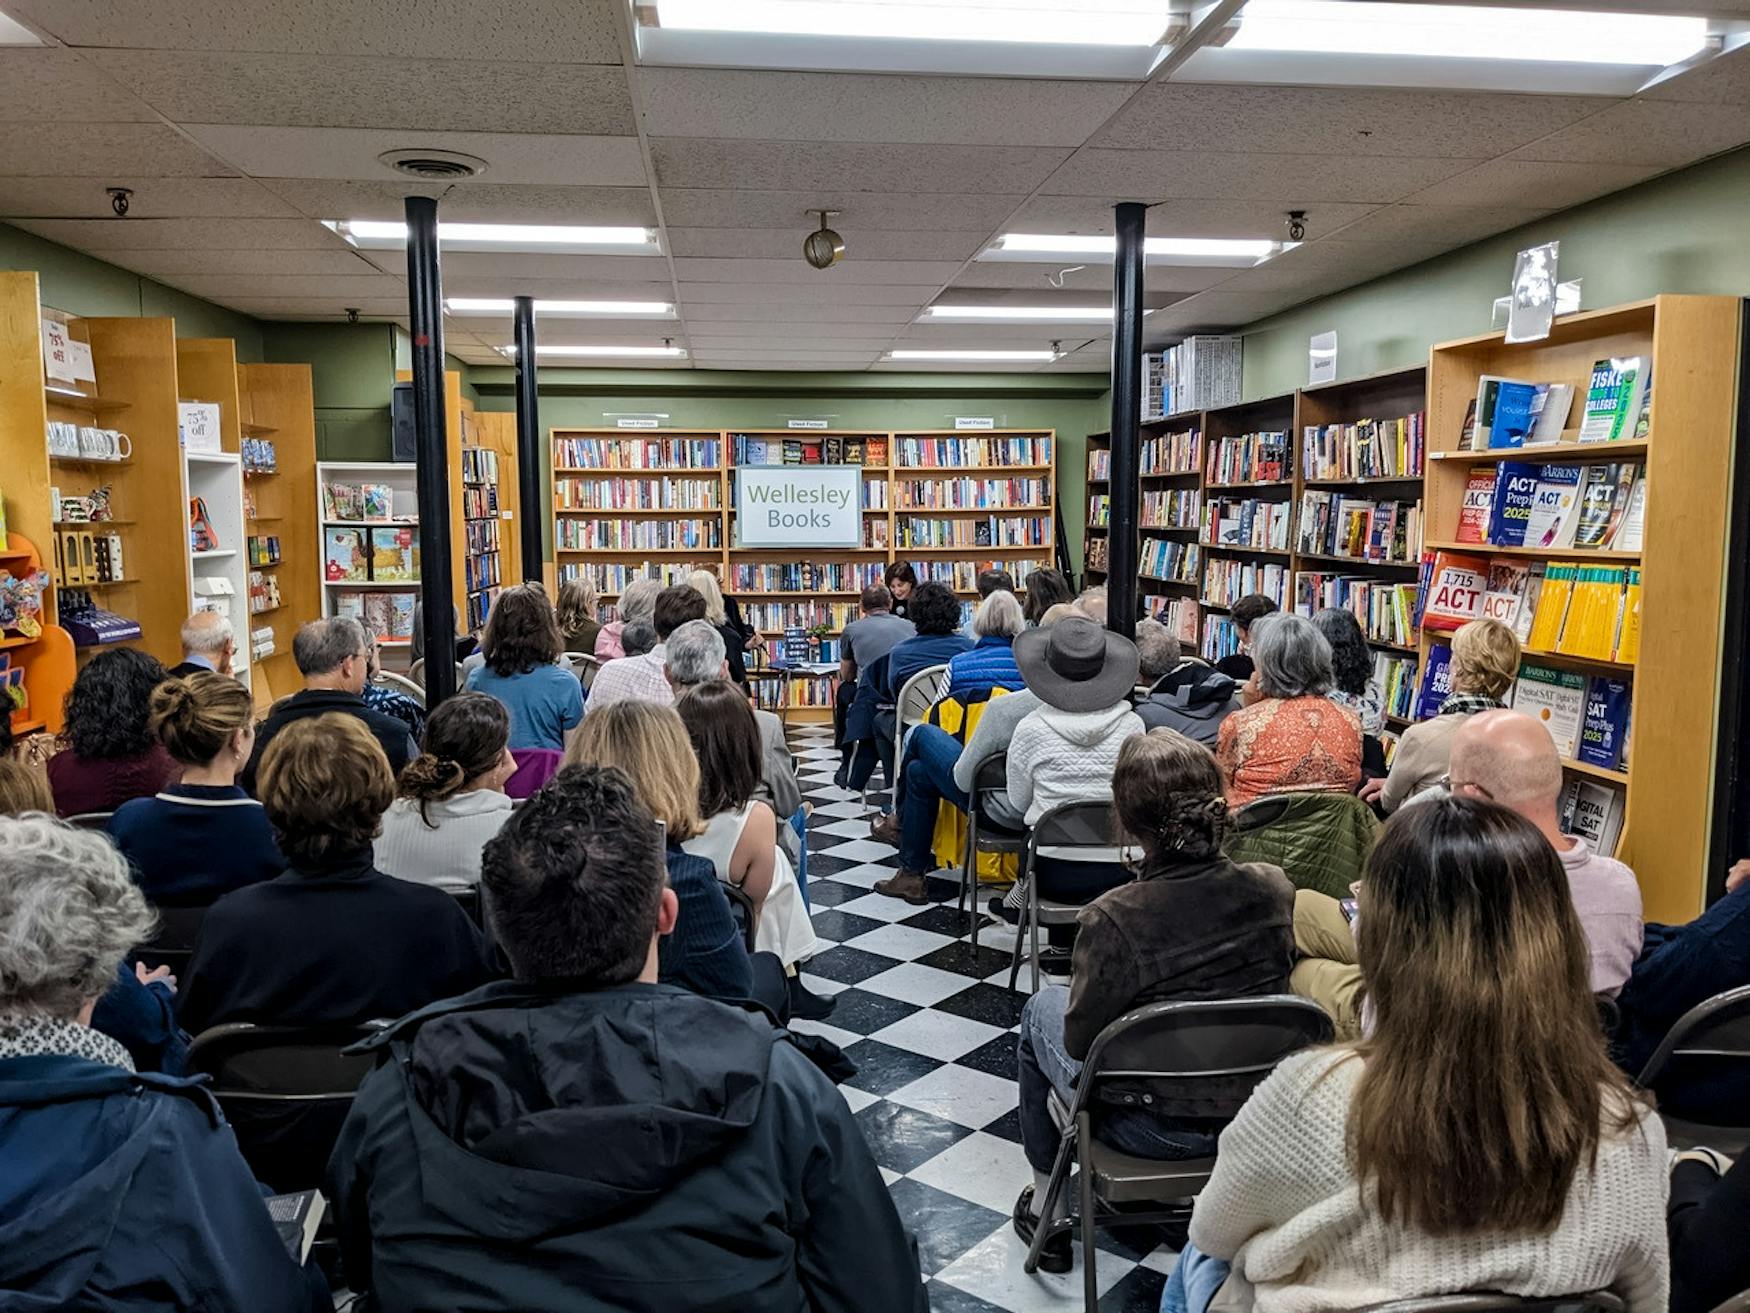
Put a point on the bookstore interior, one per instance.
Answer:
(1436, 314)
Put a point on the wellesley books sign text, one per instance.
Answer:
(799, 506)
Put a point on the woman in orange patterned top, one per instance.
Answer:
(1294, 739)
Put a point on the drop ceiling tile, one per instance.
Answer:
(1166, 174)
(261, 261)
(324, 307)
(153, 198)
(1456, 224)
(750, 356)
(46, 84)
(1185, 217)
(777, 365)
(1338, 120)
(150, 150)
(497, 285)
(1507, 182)
(1661, 132)
(771, 106)
(901, 209)
(1331, 265)
(564, 31)
(790, 165)
(793, 326)
(851, 272)
(470, 201)
(133, 234)
(354, 91)
(826, 313)
(803, 294)
(1225, 307)
(959, 366)
(1064, 274)
(944, 337)
(580, 269)
(304, 152)
(548, 328)
(786, 243)
(712, 342)
(1723, 80)
(223, 287)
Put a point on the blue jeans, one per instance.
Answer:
(1045, 1067)
(799, 823)
(1195, 1279)
(927, 778)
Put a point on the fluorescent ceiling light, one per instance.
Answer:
(541, 349)
(1566, 36)
(1013, 357)
(1088, 23)
(1224, 251)
(374, 234)
(1077, 314)
(494, 305)
(14, 33)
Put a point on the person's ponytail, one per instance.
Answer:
(464, 739)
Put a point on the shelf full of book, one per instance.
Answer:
(1546, 457)
(1095, 544)
(483, 560)
(370, 546)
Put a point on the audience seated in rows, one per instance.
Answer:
(1352, 681)
(872, 635)
(1681, 966)
(990, 663)
(649, 744)
(642, 1148)
(391, 701)
(988, 582)
(521, 644)
(108, 751)
(208, 643)
(1045, 589)
(1245, 613)
(1485, 662)
(636, 603)
(1293, 739)
(121, 1189)
(869, 725)
(740, 834)
(1506, 757)
(202, 836)
(576, 611)
(695, 655)
(1066, 750)
(644, 678)
(716, 615)
(1478, 1139)
(1190, 925)
(452, 797)
(1184, 694)
(334, 656)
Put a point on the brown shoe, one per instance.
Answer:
(908, 885)
(886, 830)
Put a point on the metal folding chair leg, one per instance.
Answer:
(1054, 1189)
(1090, 1251)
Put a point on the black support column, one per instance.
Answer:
(1121, 537)
(528, 439)
(431, 446)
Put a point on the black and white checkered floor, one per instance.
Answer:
(931, 1028)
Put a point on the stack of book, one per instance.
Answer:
(1248, 458)
(1367, 449)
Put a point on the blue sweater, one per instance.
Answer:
(990, 664)
(195, 842)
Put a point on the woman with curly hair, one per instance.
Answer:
(521, 645)
(1191, 925)
(1353, 684)
(110, 752)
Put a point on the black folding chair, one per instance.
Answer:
(992, 774)
(1213, 1050)
(285, 1090)
(1739, 1303)
(1596, 1301)
(173, 943)
(742, 909)
(1073, 825)
(91, 821)
(1714, 1036)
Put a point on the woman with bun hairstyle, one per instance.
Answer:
(452, 797)
(203, 837)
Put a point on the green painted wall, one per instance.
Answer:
(353, 368)
(1684, 232)
(82, 285)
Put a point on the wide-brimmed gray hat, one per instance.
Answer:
(1077, 665)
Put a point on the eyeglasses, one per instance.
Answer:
(1456, 787)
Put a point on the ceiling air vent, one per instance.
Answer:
(433, 165)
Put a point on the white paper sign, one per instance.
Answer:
(79, 357)
(974, 422)
(57, 361)
(799, 506)
(637, 423)
(1321, 359)
(807, 424)
(1533, 307)
(198, 422)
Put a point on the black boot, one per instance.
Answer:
(806, 1005)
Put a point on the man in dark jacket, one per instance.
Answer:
(333, 655)
(585, 1138)
(1192, 698)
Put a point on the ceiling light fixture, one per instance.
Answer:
(1238, 253)
(567, 239)
(1039, 314)
(1009, 357)
(594, 350)
(1090, 23)
(504, 305)
(1564, 36)
(15, 33)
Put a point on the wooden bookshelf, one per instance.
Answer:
(1225, 569)
(495, 430)
(482, 472)
(1669, 829)
(1095, 543)
(278, 411)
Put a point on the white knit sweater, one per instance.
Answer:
(1285, 1207)
(1058, 757)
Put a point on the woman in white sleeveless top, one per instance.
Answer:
(741, 835)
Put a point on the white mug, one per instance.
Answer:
(120, 445)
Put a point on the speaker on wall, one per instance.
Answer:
(401, 423)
